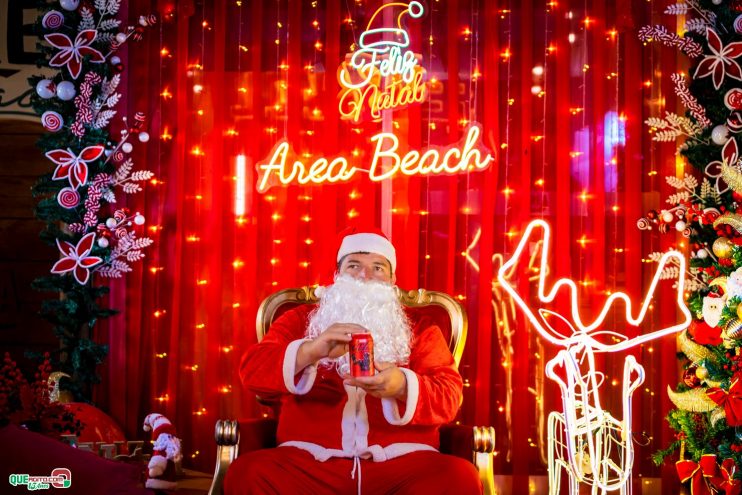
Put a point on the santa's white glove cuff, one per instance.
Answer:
(391, 408)
(308, 374)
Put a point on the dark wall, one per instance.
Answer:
(23, 256)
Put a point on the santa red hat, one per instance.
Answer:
(357, 240)
(158, 424)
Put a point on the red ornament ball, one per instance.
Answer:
(690, 379)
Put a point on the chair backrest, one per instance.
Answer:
(455, 321)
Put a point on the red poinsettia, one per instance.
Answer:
(71, 54)
(74, 167)
(729, 154)
(722, 61)
(76, 258)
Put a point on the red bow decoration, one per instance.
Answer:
(723, 478)
(732, 401)
(696, 473)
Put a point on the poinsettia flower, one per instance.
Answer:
(713, 170)
(71, 54)
(722, 61)
(76, 258)
(74, 167)
(729, 154)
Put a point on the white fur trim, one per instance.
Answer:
(160, 484)
(149, 421)
(308, 374)
(391, 408)
(354, 425)
(157, 465)
(368, 243)
(375, 452)
(170, 445)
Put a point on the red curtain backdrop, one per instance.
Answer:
(561, 90)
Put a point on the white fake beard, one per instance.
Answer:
(371, 304)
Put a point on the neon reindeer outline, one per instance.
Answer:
(583, 428)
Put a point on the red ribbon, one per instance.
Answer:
(708, 471)
(723, 478)
(694, 472)
(732, 401)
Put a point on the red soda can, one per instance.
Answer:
(362, 354)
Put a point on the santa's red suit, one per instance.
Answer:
(366, 444)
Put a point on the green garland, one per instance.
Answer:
(76, 307)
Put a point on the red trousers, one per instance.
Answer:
(292, 471)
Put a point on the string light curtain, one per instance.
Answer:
(560, 89)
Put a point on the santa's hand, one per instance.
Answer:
(332, 343)
(388, 383)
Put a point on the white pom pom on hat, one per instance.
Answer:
(355, 240)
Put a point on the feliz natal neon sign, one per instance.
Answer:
(383, 57)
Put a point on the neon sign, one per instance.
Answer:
(283, 167)
(587, 442)
(382, 74)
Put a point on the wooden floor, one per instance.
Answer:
(196, 483)
(539, 485)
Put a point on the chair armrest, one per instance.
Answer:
(475, 444)
(257, 433)
(231, 436)
(457, 440)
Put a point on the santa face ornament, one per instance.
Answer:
(712, 308)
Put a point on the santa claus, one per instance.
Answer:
(339, 433)
(166, 452)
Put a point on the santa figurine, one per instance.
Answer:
(166, 452)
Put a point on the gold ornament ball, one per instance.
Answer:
(702, 373)
(722, 247)
(733, 330)
(739, 311)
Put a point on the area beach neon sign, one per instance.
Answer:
(461, 157)
(381, 75)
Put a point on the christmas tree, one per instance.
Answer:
(96, 238)
(707, 209)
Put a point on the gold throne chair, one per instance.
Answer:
(474, 443)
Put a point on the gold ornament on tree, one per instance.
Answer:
(729, 218)
(693, 351)
(702, 373)
(731, 176)
(733, 330)
(722, 247)
(694, 400)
